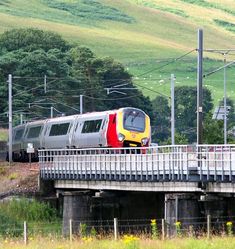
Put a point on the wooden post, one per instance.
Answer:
(115, 224)
(70, 230)
(163, 229)
(25, 233)
(208, 226)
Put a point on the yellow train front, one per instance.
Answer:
(133, 127)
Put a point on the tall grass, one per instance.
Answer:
(40, 217)
(55, 243)
(28, 210)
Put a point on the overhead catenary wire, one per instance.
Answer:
(53, 79)
(112, 99)
(168, 63)
(121, 80)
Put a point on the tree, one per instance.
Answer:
(31, 39)
(31, 54)
(212, 130)
(231, 114)
(96, 74)
(186, 107)
(161, 119)
(31, 66)
(179, 139)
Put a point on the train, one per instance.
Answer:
(124, 127)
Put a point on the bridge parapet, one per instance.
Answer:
(161, 163)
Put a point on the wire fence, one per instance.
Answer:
(149, 228)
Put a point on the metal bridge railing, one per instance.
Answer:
(160, 163)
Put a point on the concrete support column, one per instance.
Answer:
(180, 207)
(76, 207)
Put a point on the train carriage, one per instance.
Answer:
(125, 127)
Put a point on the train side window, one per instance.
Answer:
(19, 134)
(91, 126)
(34, 132)
(59, 129)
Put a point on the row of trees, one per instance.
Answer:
(71, 70)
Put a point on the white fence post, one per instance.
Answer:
(70, 230)
(25, 233)
(115, 224)
(208, 226)
(163, 229)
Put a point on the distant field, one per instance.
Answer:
(3, 135)
(142, 34)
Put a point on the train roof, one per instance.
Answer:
(71, 117)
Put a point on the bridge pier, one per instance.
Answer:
(183, 207)
(76, 207)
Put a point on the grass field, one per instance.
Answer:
(142, 34)
(55, 243)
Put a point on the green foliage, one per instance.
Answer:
(212, 5)
(227, 25)
(154, 5)
(231, 114)
(90, 10)
(9, 226)
(160, 122)
(154, 229)
(28, 210)
(185, 104)
(93, 232)
(31, 39)
(199, 2)
(229, 226)
(179, 139)
(83, 229)
(77, 71)
(2, 170)
(13, 176)
(3, 132)
(14, 212)
(212, 130)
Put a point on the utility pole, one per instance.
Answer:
(81, 103)
(45, 84)
(225, 103)
(10, 118)
(52, 112)
(172, 109)
(199, 86)
(21, 118)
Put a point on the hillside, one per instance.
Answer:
(143, 34)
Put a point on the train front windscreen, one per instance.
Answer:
(134, 120)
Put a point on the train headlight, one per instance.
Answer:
(144, 141)
(121, 137)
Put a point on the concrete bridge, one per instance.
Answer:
(179, 178)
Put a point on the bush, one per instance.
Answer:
(9, 226)
(28, 210)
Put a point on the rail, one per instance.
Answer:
(160, 163)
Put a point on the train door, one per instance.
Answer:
(90, 135)
(57, 135)
(43, 134)
(76, 141)
(103, 131)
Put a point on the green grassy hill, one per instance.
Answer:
(142, 34)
